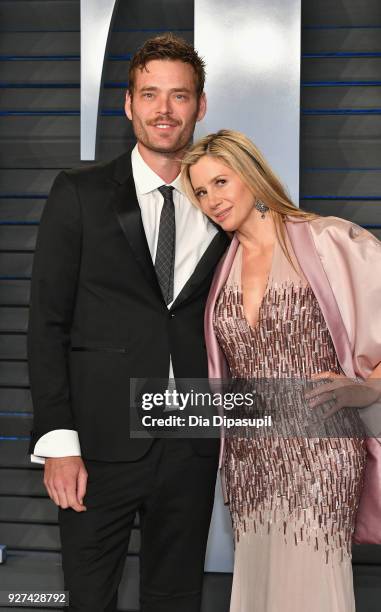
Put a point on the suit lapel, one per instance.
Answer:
(127, 210)
(207, 263)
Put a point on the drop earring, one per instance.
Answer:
(262, 208)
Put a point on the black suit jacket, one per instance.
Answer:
(97, 316)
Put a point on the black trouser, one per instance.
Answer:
(172, 488)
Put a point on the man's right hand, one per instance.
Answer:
(65, 479)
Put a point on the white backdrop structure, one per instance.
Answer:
(96, 21)
(252, 53)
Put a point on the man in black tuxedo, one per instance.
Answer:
(121, 273)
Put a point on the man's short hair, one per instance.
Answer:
(167, 47)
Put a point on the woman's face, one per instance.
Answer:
(221, 193)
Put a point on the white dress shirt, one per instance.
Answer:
(194, 233)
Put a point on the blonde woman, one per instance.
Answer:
(288, 301)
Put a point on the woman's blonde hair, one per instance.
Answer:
(240, 154)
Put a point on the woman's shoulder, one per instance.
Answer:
(340, 228)
(333, 223)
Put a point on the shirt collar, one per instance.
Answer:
(146, 180)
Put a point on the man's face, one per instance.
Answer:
(164, 108)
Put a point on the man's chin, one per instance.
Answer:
(164, 147)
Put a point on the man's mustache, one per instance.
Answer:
(159, 120)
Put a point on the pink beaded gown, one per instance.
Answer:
(293, 500)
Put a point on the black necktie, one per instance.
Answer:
(165, 252)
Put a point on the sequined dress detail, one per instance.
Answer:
(293, 500)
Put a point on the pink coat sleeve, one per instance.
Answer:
(351, 258)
